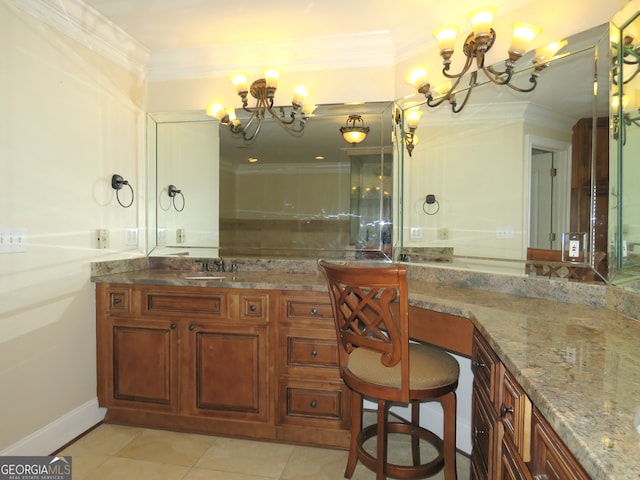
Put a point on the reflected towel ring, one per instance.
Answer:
(116, 183)
(173, 192)
(431, 200)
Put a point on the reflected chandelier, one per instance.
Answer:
(264, 90)
(625, 103)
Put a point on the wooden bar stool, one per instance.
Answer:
(371, 314)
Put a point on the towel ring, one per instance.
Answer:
(116, 183)
(173, 193)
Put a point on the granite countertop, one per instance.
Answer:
(579, 364)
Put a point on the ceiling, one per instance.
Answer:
(211, 37)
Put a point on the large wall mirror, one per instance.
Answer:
(281, 195)
(514, 173)
(624, 225)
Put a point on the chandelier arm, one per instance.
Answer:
(465, 69)
(472, 82)
(494, 75)
(532, 79)
(249, 138)
(281, 117)
(447, 96)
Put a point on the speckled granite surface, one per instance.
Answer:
(577, 361)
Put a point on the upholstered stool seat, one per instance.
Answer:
(370, 309)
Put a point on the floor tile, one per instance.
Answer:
(200, 474)
(246, 456)
(167, 447)
(315, 464)
(117, 468)
(107, 439)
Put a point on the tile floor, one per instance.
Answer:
(111, 452)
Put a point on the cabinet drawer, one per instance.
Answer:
(514, 408)
(312, 352)
(485, 433)
(313, 403)
(551, 459)
(484, 366)
(254, 307)
(309, 308)
(118, 300)
(190, 303)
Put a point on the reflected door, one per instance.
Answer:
(547, 203)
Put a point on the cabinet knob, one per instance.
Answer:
(478, 364)
(504, 410)
(314, 311)
(173, 326)
(192, 327)
(477, 431)
(117, 300)
(313, 404)
(314, 353)
(252, 308)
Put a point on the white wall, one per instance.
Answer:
(69, 120)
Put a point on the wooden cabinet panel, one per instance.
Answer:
(143, 366)
(515, 411)
(511, 465)
(192, 302)
(511, 440)
(485, 433)
(313, 305)
(229, 374)
(550, 458)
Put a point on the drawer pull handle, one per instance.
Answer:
(252, 308)
(313, 404)
(117, 300)
(173, 326)
(479, 364)
(314, 311)
(192, 327)
(478, 431)
(504, 410)
(314, 353)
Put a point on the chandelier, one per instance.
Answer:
(475, 48)
(354, 131)
(263, 90)
(625, 67)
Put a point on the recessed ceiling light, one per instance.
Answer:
(252, 159)
(319, 157)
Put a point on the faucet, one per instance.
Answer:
(204, 265)
(234, 266)
(219, 263)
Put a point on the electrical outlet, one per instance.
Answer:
(570, 355)
(416, 233)
(504, 232)
(102, 238)
(13, 240)
(180, 235)
(443, 234)
(131, 236)
(162, 236)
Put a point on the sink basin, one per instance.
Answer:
(204, 276)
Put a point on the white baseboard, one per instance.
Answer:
(59, 432)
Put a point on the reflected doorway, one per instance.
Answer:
(549, 194)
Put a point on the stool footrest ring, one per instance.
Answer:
(403, 471)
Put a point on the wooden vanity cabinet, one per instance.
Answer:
(252, 363)
(511, 439)
(187, 358)
(313, 402)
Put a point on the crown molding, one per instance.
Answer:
(80, 22)
(301, 54)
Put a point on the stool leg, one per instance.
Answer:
(381, 458)
(356, 427)
(449, 408)
(415, 440)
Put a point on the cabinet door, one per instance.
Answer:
(227, 371)
(511, 464)
(551, 459)
(144, 365)
(486, 434)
